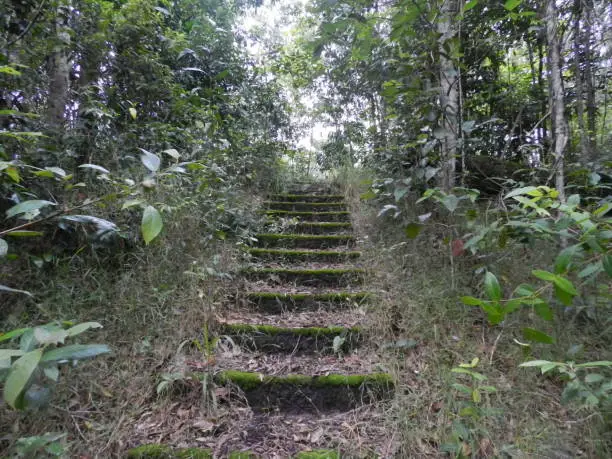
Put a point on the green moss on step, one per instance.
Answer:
(304, 253)
(306, 197)
(155, 451)
(325, 224)
(318, 454)
(250, 381)
(306, 237)
(272, 330)
(298, 214)
(304, 203)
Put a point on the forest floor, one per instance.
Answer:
(158, 387)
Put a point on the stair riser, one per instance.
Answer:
(305, 228)
(280, 304)
(305, 257)
(293, 343)
(293, 398)
(307, 207)
(305, 243)
(314, 280)
(312, 216)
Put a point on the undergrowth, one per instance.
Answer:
(461, 390)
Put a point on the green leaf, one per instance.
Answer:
(461, 388)
(543, 310)
(19, 378)
(133, 112)
(173, 153)
(599, 363)
(131, 203)
(451, 202)
(469, 5)
(535, 363)
(412, 230)
(607, 264)
(95, 167)
(536, 335)
(9, 353)
(368, 195)
(13, 334)
(151, 225)
(593, 378)
(512, 4)
(49, 335)
(561, 282)
(3, 248)
(471, 301)
(52, 372)
(150, 160)
(520, 191)
(80, 328)
(28, 206)
(75, 352)
(590, 269)
(475, 375)
(492, 287)
(564, 258)
(476, 397)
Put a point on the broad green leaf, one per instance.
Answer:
(3, 248)
(536, 335)
(51, 372)
(19, 378)
(152, 224)
(131, 203)
(80, 328)
(173, 153)
(75, 352)
(512, 4)
(150, 160)
(564, 258)
(607, 264)
(400, 192)
(95, 167)
(133, 112)
(520, 191)
(471, 301)
(492, 287)
(412, 230)
(590, 269)
(461, 388)
(368, 195)
(475, 375)
(451, 202)
(13, 334)
(476, 397)
(472, 364)
(9, 353)
(536, 363)
(543, 310)
(28, 206)
(593, 378)
(47, 335)
(13, 173)
(561, 282)
(599, 363)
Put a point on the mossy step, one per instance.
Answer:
(342, 216)
(305, 241)
(314, 277)
(322, 227)
(273, 302)
(305, 255)
(298, 340)
(304, 393)
(160, 451)
(306, 206)
(307, 197)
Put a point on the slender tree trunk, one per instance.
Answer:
(449, 94)
(582, 134)
(588, 78)
(560, 126)
(59, 69)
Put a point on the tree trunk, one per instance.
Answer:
(589, 86)
(578, 62)
(449, 94)
(59, 69)
(560, 126)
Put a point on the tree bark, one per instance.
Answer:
(560, 126)
(589, 85)
(578, 76)
(59, 69)
(449, 94)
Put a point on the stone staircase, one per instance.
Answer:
(296, 345)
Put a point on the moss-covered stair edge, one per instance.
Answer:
(155, 451)
(342, 216)
(305, 206)
(272, 330)
(249, 380)
(322, 227)
(318, 255)
(307, 197)
(274, 302)
(305, 240)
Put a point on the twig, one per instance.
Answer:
(27, 29)
(495, 347)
